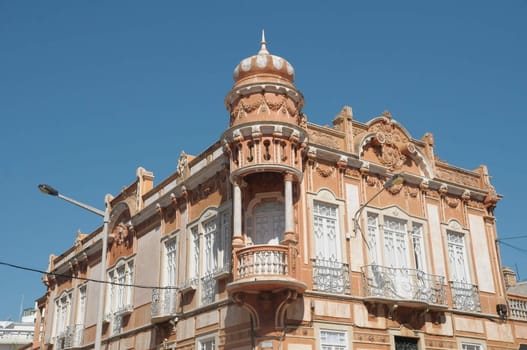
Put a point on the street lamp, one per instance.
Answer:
(396, 179)
(46, 189)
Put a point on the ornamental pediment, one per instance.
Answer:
(385, 141)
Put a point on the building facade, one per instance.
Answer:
(18, 335)
(285, 234)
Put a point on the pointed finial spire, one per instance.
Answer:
(263, 47)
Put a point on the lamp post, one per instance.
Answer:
(396, 179)
(46, 189)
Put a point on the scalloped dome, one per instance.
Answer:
(264, 64)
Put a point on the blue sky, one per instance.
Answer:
(90, 90)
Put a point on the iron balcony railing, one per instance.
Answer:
(73, 336)
(164, 302)
(262, 260)
(330, 276)
(465, 296)
(518, 308)
(209, 287)
(403, 284)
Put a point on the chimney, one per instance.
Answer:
(510, 277)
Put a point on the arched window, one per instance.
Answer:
(266, 223)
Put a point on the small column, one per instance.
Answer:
(289, 223)
(237, 239)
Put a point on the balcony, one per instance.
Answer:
(73, 336)
(164, 303)
(404, 287)
(330, 276)
(465, 296)
(124, 310)
(263, 268)
(518, 308)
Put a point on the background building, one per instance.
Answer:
(18, 335)
(284, 234)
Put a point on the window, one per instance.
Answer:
(326, 230)
(457, 257)
(471, 346)
(62, 314)
(397, 260)
(120, 291)
(209, 256)
(210, 238)
(405, 343)
(330, 274)
(81, 304)
(194, 254)
(400, 245)
(266, 222)
(333, 340)
(207, 344)
(167, 298)
(465, 295)
(170, 271)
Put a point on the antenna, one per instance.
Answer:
(21, 307)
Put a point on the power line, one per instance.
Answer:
(512, 237)
(512, 246)
(82, 278)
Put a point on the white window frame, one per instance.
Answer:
(327, 197)
(471, 344)
(210, 250)
(415, 236)
(62, 313)
(170, 261)
(326, 229)
(277, 217)
(340, 344)
(119, 297)
(81, 303)
(202, 341)
(458, 273)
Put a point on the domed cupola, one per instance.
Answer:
(264, 90)
(264, 67)
(267, 127)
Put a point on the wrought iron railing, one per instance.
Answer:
(59, 341)
(124, 309)
(403, 284)
(117, 324)
(73, 337)
(164, 302)
(465, 296)
(518, 308)
(262, 260)
(8, 334)
(331, 276)
(209, 286)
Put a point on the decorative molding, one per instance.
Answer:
(323, 139)
(457, 177)
(395, 188)
(475, 204)
(452, 202)
(455, 225)
(442, 344)
(324, 171)
(412, 191)
(355, 173)
(371, 338)
(372, 181)
(390, 156)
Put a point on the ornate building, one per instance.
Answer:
(284, 234)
